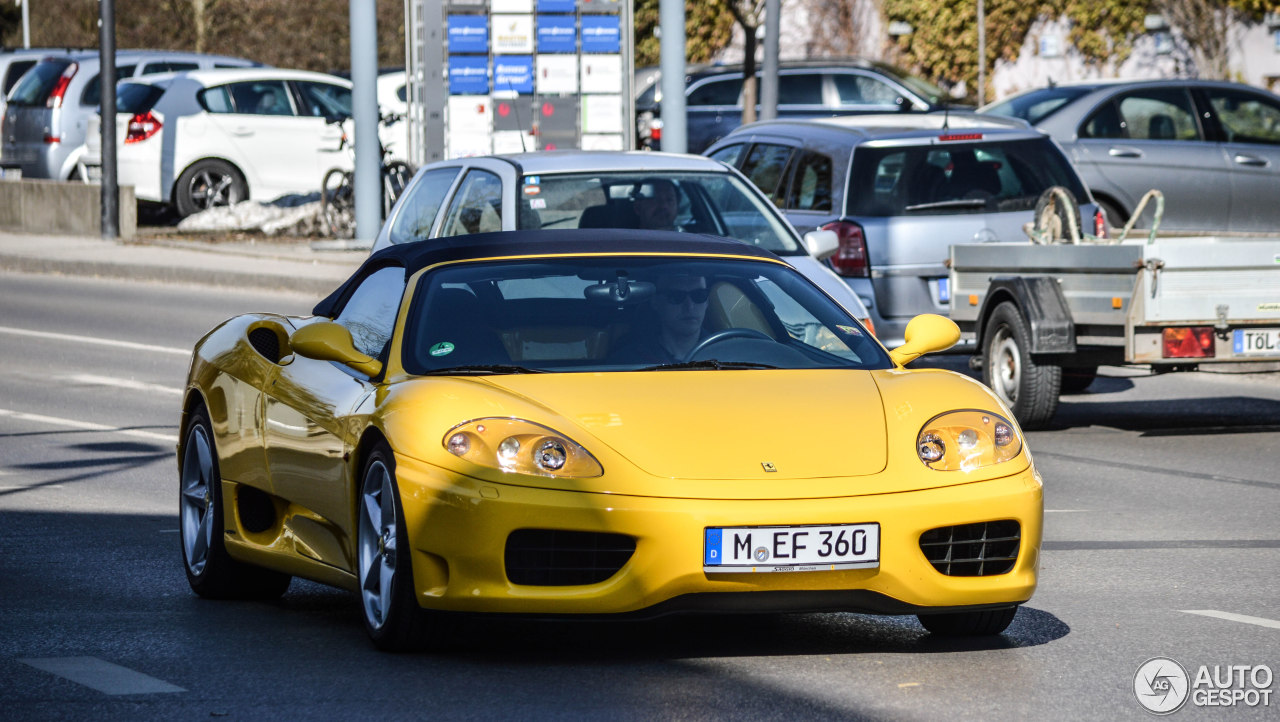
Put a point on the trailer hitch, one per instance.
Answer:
(1222, 328)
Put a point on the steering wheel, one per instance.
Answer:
(726, 333)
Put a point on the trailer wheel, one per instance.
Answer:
(1029, 388)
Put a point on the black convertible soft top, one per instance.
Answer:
(420, 254)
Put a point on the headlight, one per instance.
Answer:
(967, 441)
(520, 447)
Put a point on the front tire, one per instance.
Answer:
(969, 624)
(211, 571)
(1029, 388)
(392, 617)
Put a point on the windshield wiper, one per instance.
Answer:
(482, 369)
(707, 364)
(958, 203)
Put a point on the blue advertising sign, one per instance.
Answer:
(557, 34)
(468, 74)
(468, 34)
(601, 34)
(556, 6)
(513, 73)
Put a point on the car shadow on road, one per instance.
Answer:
(1170, 417)
(731, 635)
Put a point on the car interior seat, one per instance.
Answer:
(611, 214)
(971, 178)
(1160, 127)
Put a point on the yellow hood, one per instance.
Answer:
(721, 424)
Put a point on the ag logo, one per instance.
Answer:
(1161, 685)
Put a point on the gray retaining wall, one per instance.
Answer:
(66, 207)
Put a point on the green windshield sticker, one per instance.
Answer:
(444, 348)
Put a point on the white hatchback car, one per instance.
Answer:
(209, 138)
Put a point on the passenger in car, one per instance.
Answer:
(656, 204)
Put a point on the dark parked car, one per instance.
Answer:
(1212, 148)
(899, 190)
(806, 89)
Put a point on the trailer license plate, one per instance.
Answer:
(809, 548)
(1257, 342)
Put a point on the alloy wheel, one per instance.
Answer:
(377, 543)
(198, 499)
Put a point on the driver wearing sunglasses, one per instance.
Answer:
(679, 307)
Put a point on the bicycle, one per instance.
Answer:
(337, 188)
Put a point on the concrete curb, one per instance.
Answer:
(284, 266)
(171, 274)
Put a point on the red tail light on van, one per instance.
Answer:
(851, 258)
(60, 87)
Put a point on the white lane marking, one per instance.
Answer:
(27, 488)
(101, 675)
(86, 425)
(1230, 617)
(91, 339)
(1065, 511)
(130, 384)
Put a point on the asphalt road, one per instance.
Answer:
(1161, 541)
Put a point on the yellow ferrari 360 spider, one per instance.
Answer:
(599, 423)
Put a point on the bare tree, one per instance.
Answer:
(750, 15)
(837, 27)
(1205, 25)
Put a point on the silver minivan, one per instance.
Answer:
(899, 190)
(47, 114)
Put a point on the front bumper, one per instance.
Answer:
(458, 527)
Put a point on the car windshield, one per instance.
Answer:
(992, 177)
(620, 313)
(1035, 106)
(36, 85)
(720, 204)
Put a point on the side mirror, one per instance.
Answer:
(926, 333)
(821, 244)
(328, 341)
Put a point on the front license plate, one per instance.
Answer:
(808, 548)
(1257, 342)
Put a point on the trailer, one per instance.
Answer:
(1043, 316)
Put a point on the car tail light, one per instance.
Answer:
(950, 137)
(51, 139)
(1099, 223)
(655, 130)
(870, 326)
(851, 258)
(60, 87)
(142, 126)
(1188, 342)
